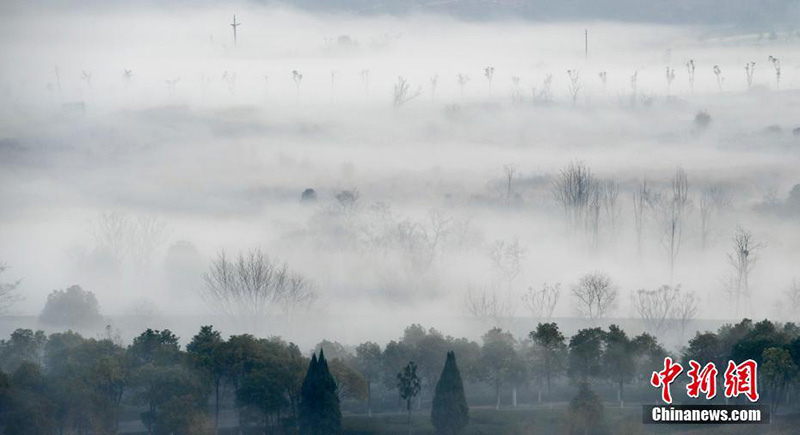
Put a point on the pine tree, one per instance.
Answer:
(450, 412)
(319, 403)
(308, 401)
(331, 413)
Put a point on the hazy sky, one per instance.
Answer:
(216, 141)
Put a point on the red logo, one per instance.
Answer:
(703, 380)
(739, 379)
(665, 377)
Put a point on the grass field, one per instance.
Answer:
(553, 421)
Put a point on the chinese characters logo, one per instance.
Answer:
(739, 379)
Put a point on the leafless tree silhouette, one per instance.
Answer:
(672, 217)
(8, 295)
(595, 296)
(574, 84)
(542, 303)
(254, 286)
(776, 64)
(750, 70)
(655, 307)
(402, 92)
(742, 259)
(690, 69)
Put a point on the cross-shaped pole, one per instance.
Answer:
(235, 25)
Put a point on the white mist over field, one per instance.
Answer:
(129, 184)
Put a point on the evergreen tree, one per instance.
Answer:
(409, 386)
(319, 404)
(450, 412)
(585, 410)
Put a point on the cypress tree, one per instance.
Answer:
(331, 413)
(319, 403)
(450, 412)
(308, 401)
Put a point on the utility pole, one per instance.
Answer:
(586, 43)
(235, 25)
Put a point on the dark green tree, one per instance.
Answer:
(409, 386)
(207, 352)
(450, 413)
(585, 354)
(369, 362)
(320, 413)
(501, 363)
(778, 371)
(549, 352)
(24, 345)
(618, 359)
(29, 411)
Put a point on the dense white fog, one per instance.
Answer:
(130, 184)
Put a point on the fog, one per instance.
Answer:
(212, 142)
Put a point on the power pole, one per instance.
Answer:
(586, 43)
(235, 25)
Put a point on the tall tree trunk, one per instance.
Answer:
(409, 415)
(216, 407)
(369, 398)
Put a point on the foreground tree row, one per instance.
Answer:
(66, 383)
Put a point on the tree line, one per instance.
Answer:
(67, 383)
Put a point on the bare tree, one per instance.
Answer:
(792, 294)
(690, 69)
(510, 172)
(111, 236)
(670, 78)
(127, 77)
(297, 77)
(574, 188)
(542, 303)
(334, 77)
(749, 71)
(462, 80)
(673, 212)
(655, 307)
(543, 94)
(742, 259)
(8, 295)
(610, 203)
(402, 93)
(595, 296)
(364, 74)
(718, 73)
(713, 200)
(434, 82)
(488, 302)
(146, 235)
(644, 202)
(488, 72)
(603, 79)
(634, 86)
(172, 83)
(685, 311)
(516, 90)
(574, 84)
(506, 259)
(776, 64)
(87, 77)
(254, 286)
